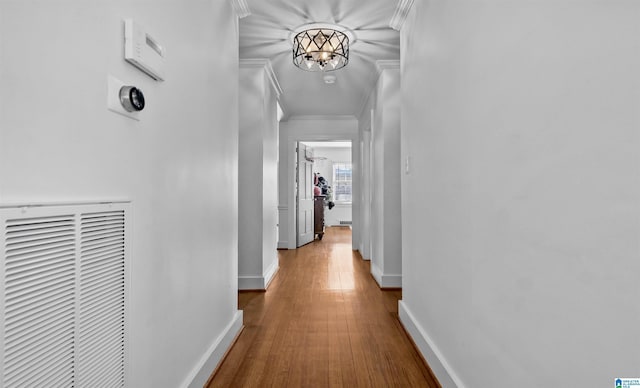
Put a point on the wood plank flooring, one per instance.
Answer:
(323, 322)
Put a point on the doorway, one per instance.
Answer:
(332, 178)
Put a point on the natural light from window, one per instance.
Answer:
(342, 178)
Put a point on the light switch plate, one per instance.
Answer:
(113, 98)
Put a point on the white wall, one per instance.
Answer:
(270, 186)
(258, 176)
(365, 184)
(342, 210)
(391, 169)
(521, 210)
(303, 128)
(380, 137)
(178, 165)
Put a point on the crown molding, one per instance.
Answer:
(400, 15)
(241, 7)
(381, 65)
(266, 65)
(328, 118)
(386, 64)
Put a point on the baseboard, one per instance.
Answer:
(376, 273)
(210, 360)
(430, 352)
(254, 283)
(361, 255)
(271, 273)
(391, 281)
(385, 280)
(283, 244)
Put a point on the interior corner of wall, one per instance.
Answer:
(376, 272)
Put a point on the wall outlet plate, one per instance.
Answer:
(113, 98)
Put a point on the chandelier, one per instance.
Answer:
(321, 49)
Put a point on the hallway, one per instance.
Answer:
(322, 323)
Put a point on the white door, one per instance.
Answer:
(305, 196)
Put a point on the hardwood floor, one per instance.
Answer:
(323, 322)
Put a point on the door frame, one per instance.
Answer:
(291, 162)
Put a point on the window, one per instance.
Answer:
(342, 182)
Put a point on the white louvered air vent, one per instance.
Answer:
(102, 289)
(39, 301)
(64, 290)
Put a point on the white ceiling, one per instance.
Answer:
(266, 33)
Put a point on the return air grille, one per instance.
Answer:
(64, 271)
(102, 289)
(39, 301)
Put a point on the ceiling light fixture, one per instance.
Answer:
(319, 47)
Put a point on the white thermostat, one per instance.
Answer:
(143, 51)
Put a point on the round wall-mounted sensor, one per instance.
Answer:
(131, 98)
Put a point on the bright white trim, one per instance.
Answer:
(385, 280)
(439, 365)
(361, 250)
(283, 244)
(381, 65)
(266, 65)
(210, 360)
(271, 273)
(387, 64)
(391, 281)
(241, 7)
(377, 274)
(400, 15)
(280, 114)
(251, 282)
(318, 118)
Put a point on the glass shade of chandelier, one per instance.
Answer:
(320, 49)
